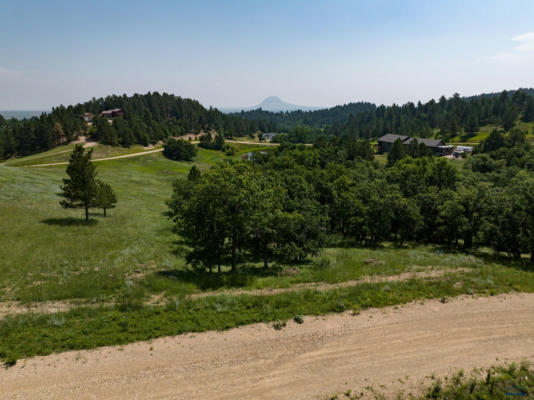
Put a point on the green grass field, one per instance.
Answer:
(484, 132)
(111, 268)
(48, 252)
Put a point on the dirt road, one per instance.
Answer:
(141, 153)
(320, 357)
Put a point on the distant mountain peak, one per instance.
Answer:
(272, 98)
(274, 104)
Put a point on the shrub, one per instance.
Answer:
(280, 324)
(179, 150)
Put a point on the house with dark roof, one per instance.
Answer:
(438, 146)
(386, 141)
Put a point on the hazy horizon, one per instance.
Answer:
(231, 55)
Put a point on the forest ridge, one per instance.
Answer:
(152, 117)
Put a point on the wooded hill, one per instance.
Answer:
(446, 117)
(146, 119)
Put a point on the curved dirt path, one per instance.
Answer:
(325, 355)
(141, 153)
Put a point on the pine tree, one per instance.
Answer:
(509, 118)
(528, 115)
(194, 174)
(105, 196)
(219, 142)
(80, 189)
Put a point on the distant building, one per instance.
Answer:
(88, 117)
(467, 149)
(461, 150)
(386, 141)
(438, 146)
(116, 112)
(268, 137)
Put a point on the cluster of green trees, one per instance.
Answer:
(208, 142)
(453, 116)
(288, 120)
(23, 137)
(179, 150)
(414, 150)
(288, 203)
(146, 119)
(236, 212)
(81, 189)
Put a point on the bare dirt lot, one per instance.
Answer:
(323, 356)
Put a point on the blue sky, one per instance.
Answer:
(235, 53)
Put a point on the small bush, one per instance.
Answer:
(298, 319)
(279, 325)
(10, 361)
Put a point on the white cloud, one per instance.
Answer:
(526, 42)
(523, 50)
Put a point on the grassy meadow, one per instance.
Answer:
(62, 154)
(484, 132)
(111, 269)
(47, 252)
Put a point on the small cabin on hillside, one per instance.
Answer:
(116, 112)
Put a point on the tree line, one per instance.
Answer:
(447, 117)
(152, 117)
(289, 203)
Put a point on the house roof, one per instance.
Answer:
(114, 110)
(427, 142)
(391, 138)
